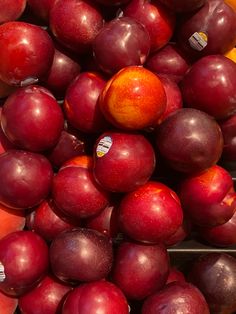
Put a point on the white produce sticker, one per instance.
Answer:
(2, 273)
(104, 146)
(198, 41)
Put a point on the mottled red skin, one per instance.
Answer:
(128, 164)
(96, 296)
(221, 235)
(8, 304)
(24, 255)
(47, 221)
(217, 20)
(77, 194)
(81, 255)
(215, 97)
(26, 179)
(133, 99)
(175, 275)
(32, 119)
(27, 54)
(181, 297)
(208, 197)
(81, 103)
(112, 51)
(63, 70)
(47, 297)
(168, 61)
(140, 269)
(75, 23)
(151, 213)
(228, 128)
(189, 140)
(158, 20)
(41, 8)
(11, 10)
(215, 275)
(182, 5)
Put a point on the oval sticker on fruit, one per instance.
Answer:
(104, 146)
(2, 273)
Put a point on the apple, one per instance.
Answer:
(11, 10)
(27, 55)
(32, 119)
(26, 179)
(24, 262)
(133, 99)
(151, 213)
(123, 161)
(140, 269)
(121, 42)
(81, 255)
(189, 140)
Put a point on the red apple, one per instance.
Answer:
(24, 262)
(151, 213)
(123, 161)
(11, 10)
(27, 54)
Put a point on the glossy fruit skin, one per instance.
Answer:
(228, 128)
(208, 196)
(214, 96)
(176, 297)
(28, 52)
(127, 164)
(133, 99)
(182, 233)
(32, 119)
(47, 297)
(215, 276)
(139, 269)
(157, 19)
(217, 22)
(190, 140)
(11, 10)
(140, 219)
(74, 255)
(96, 296)
(26, 179)
(121, 42)
(24, 259)
(75, 23)
(81, 106)
(182, 5)
(168, 61)
(72, 188)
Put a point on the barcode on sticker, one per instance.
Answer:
(2, 273)
(104, 146)
(198, 41)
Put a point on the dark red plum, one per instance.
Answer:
(24, 262)
(168, 61)
(182, 233)
(151, 213)
(112, 2)
(41, 8)
(5, 144)
(210, 86)
(32, 119)
(26, 179)
(47, 297)
(182, 6)
(81, 255)
(123, 161)
(121, 42)
(11, 10)
(96, 296)
(215, 276)
(27, 55)
(157, 19)
(47, 221)
(75, 23)
(208, 31)
(77, 194)
(208, 196)
(176, 297)
(228, 128)
(190, 140)
(140, 269)
(81, 106)
(175, 275)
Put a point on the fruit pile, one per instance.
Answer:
(117, 143)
